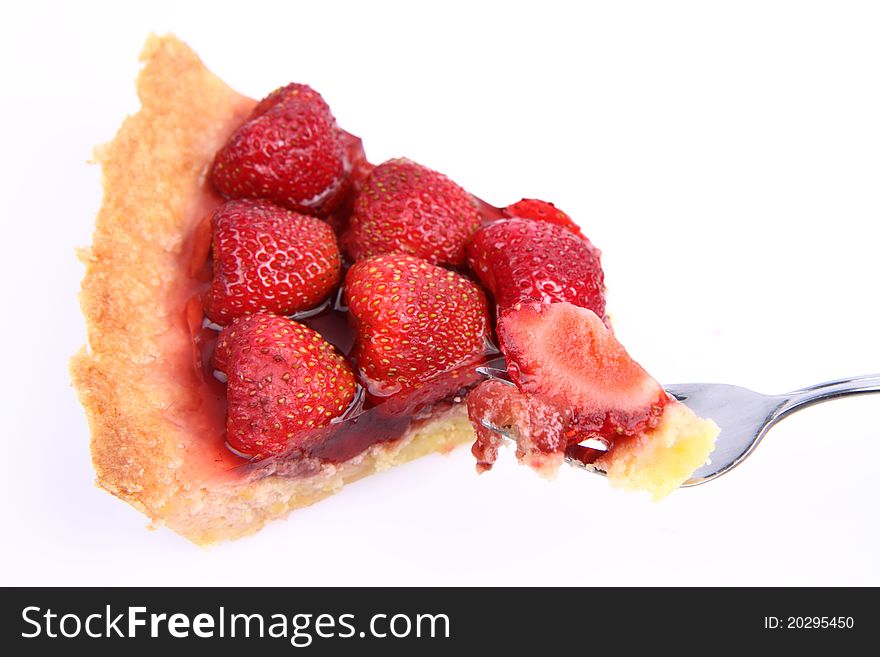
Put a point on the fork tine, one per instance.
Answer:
(495, 374)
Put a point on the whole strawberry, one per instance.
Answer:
(420, 328)
(521, 260)
(283, 379)
(530, 208)
(289, 151)
(269, 258)
(403, 207)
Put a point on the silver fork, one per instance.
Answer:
(743, 415)
(746, 416)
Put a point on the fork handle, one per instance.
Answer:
(856, 385)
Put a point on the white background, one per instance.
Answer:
(724, 156)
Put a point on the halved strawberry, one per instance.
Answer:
(574, 381)
(565, 353)
(532, 208)
(283, 379)
(289, 151)
(521, 260)
(420, 328)
(268, 258)
(404, 207)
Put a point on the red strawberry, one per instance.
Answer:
(283, 379)
(420, 328)
(269, 258)
(521, 260)
(289, 150)
(565, 353)
(404, 207)
(530, 208)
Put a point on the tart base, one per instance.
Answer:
(209, 514)
(155, 441)
(663, 458)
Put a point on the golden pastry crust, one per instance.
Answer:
(663, 458)
(136, 378)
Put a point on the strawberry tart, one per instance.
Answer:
(270, 316)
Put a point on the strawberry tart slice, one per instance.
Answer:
(271, 317)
